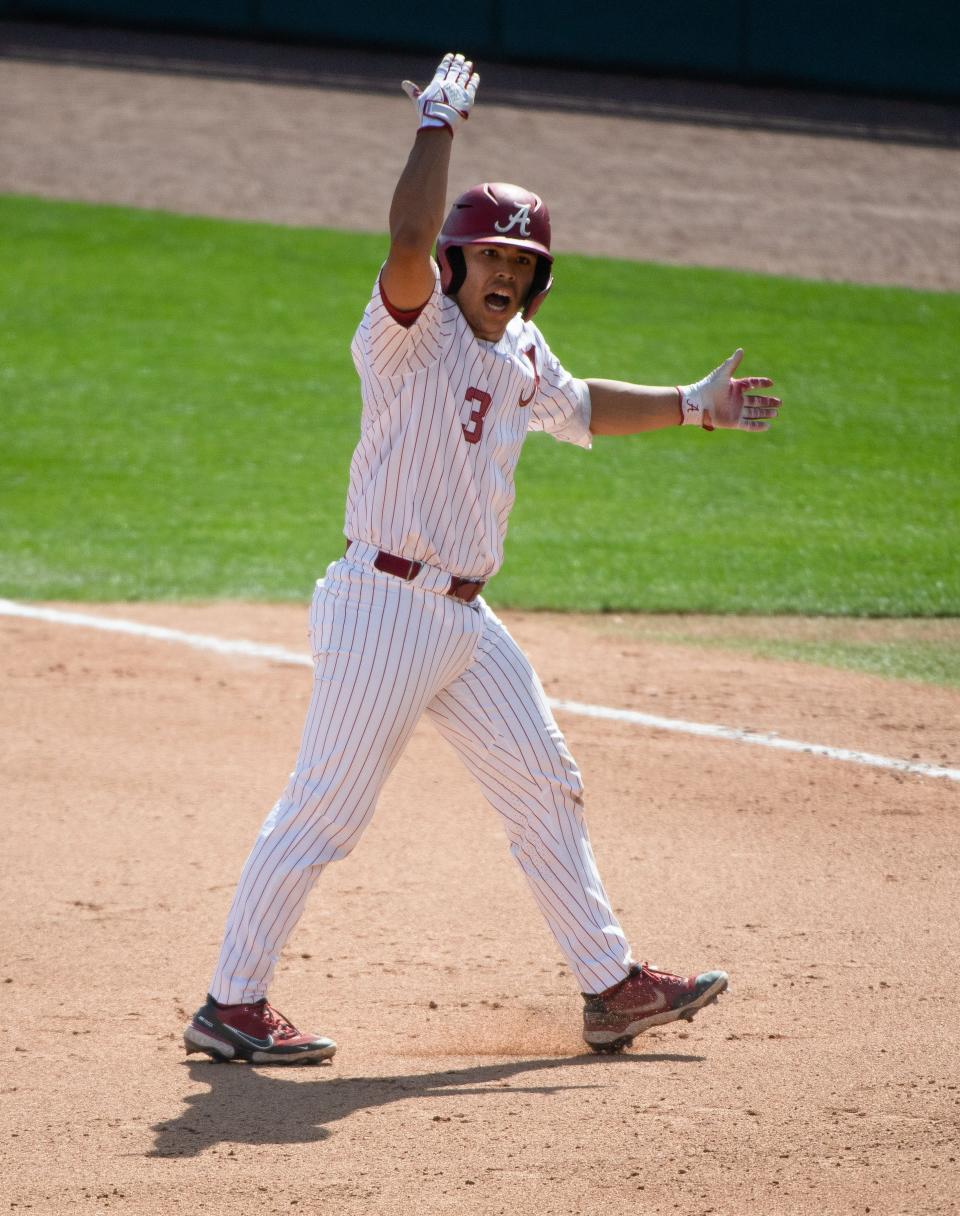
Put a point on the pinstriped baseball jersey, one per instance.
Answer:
(444, 418)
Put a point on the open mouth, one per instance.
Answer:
(497, 301)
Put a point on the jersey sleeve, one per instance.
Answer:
(390, 342)
(561, 406)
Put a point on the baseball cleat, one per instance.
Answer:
(647, 997)
(256, 1032)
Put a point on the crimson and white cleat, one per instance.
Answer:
(256, 1032)
(647, 997)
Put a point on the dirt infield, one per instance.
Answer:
(137, 771)
(826, 1081)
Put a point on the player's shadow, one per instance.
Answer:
(256, 1105)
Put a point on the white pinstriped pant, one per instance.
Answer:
(385, 652)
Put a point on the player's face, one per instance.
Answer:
(497, 283)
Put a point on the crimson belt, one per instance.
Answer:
(401, 567)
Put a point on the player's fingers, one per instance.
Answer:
(466, 74)
(752, 424)
(756, 399)
(472, 86)
(443, 67)
(755, 382)
(729, 366)
(412, 90)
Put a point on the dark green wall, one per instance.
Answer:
(228, 16)
(883, 46)
(897, 46)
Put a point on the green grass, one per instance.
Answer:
(178, 408)
(930, 662)
(922, 649)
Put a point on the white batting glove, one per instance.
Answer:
(720, 401)
(447, 99)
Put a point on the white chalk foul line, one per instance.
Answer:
(201, 641)
(279, 654)
(708, 731)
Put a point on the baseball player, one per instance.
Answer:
(453, 375)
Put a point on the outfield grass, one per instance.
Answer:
(917, 648)
(178, 407)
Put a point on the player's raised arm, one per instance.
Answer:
(416, 212)
(719, 400)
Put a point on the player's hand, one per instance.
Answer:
(447, 99)
(719, 400)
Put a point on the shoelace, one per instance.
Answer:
(285, 1029)
(661, 976)
(661, 971)
(274, 1020)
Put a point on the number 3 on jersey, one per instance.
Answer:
(483, 401)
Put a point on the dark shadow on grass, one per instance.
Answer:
(258, 1105)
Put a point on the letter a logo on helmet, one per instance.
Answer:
(497, 213)
(520, 217)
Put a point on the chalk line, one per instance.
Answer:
(279, 654)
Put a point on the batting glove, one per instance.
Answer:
(720, 401)
(447, 99)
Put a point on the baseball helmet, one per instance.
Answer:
(496, 213)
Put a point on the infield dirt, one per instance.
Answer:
(136, 773)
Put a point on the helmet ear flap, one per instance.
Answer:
(458, 269)
(542, 282)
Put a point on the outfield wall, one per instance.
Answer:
(883, 46)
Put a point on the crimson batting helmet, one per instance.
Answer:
(496, 213)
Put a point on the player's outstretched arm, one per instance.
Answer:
(416, 212)
(719, 400)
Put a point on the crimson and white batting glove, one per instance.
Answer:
(447, 99)
(718, 400)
